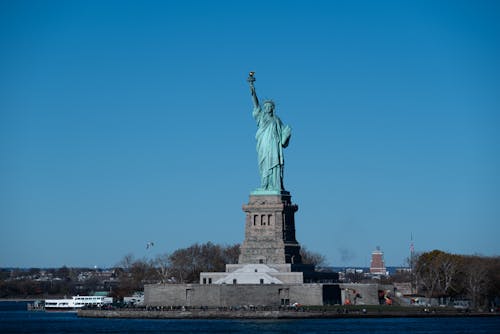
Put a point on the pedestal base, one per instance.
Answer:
(270, 230)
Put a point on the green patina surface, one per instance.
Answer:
(272, 137)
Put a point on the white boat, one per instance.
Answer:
(76, 302)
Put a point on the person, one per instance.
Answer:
(272, 137)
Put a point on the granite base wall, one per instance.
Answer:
(232, 295)
(361, 294)
(227, 295)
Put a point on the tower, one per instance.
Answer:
(377, 266)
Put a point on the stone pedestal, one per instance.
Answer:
(270, 230)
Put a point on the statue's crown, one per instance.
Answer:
(270, 102)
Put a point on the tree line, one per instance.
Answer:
(443, 275)
(129, 275)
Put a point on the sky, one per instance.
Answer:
(128, 122)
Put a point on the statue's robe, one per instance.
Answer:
(272, 136)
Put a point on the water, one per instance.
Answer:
(15, 319)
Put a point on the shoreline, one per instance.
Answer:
(281, 314)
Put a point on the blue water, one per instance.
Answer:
(15, 319)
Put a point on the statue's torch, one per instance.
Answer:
(251, 78)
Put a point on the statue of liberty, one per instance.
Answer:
(272, 137)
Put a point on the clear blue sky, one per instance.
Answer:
(127, 122)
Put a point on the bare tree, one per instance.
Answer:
(493, 294)
(126, 262)
(476, 283)
(449, 267)
(427, 272)
(187, 263)
(133, 274)
(162, 266)
(310, 257)
(231, 253)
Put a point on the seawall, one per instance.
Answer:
(277, 314)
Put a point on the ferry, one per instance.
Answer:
(76, 302)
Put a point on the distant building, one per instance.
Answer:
(377, 265)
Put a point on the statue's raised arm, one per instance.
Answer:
(251, 80)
